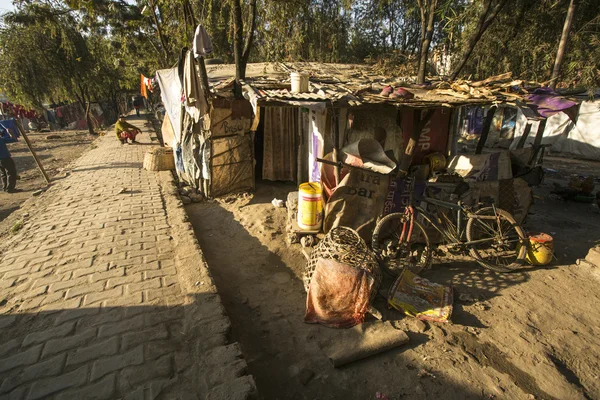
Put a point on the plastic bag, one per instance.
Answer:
(420, 298)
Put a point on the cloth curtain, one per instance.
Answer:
(280, 133)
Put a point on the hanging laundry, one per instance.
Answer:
(202, 43)
(195, 102)
(143, 91)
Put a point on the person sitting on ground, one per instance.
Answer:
(8, 169)
(126, 131)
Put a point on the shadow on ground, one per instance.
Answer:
(265, 300)
(110, 352)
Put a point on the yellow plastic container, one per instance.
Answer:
(437, 161)
(310, 206)
(540, 249)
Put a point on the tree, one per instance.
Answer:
(489, 11)
(427, 10)
(560, 54)
(241, 54)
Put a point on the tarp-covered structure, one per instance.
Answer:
(276, 134)
(568, 132)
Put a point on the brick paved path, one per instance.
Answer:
(90, 304)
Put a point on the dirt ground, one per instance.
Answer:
(55, 155)
(524, 335)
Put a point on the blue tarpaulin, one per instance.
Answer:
(11, 125)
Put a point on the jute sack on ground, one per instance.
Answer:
(357, 202)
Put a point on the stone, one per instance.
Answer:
(186, 200)
(135, 338)
(95, 351)
(44, 388)
(44, 336)
(150, 371)
(103, 389)
(55, 346)
(305, 376)
(44, 369)
(107, 365)
(9, 347)
(26, 357)
(416, 325)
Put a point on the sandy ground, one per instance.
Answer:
(55, 155)
(529, 334)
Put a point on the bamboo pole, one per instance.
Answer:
(336, 145)
(35, 157)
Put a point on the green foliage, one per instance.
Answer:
(95, 49)
(524, 39)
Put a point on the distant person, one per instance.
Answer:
(8, 169)
(137, 103)
(126, 131)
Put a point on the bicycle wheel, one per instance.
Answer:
(415, 253)
(500, 240)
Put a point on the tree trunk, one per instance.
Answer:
(428, 34)
(89, 119)
(562, 46)
(422, 14)
(163, 40)
(238, 33)
(485, 19)
(249, 34)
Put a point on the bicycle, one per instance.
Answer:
(493, 237)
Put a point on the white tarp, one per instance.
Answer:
(581, 139)
(170, 92)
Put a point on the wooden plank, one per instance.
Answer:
(35, 157)
(486, 129)
(538, 140)
(523, 137)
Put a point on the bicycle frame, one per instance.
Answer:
(455, 237)
(457, 232)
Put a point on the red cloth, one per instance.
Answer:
(129, 135)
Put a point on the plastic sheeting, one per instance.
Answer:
(232, 165)
(583, 140)
(580, 139)
(170, 93)
(317, 129)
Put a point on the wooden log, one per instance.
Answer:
(35, 157)
(486, 129)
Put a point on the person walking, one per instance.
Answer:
(8, 169)
(137, 103)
